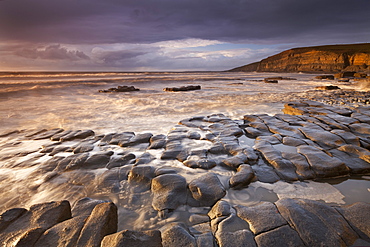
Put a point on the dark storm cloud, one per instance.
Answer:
(51, 52)
(146, 21)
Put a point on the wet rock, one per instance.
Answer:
(109, 181)
(281, 236)
(141, 176)
(304, 170)
(265, 173)
(95, 161)
(352, 161)
(331, 87)
(321, 163)
(266, 80)
(102, 221)
(85, 206)
(331, 122)
(325, 77)
(194, 135)
(145, 158)
(133, 239)
(284, 168)
(362, 128)
(30, 225)
(206, 189)
(7, 217)
(325, 139)
(173, 149)
(120, 89)
(235, 161)
(196, 219)
(362, 153)
(47, 134)
(291, 141)
(242, 178)
(79, 134)
(357, 215)
(316, 223)
(72, 162)
(123, 137)
(262, 217)
(137, 139)
(348, 137)
(217, 148)
(84, 147)
(200, 163)
(205, 240)
(177, 235)
(121, 161)
(157, 142)
(169, 192)
(220, 209)
(183, 88)
(234, 231)
(65, 233)
(60, 149)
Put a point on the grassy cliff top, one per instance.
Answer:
(349, 48)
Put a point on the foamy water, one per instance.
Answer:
(71, 101)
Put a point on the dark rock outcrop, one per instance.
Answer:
(120, 89)
(181, 89)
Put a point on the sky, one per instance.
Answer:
(169, 35)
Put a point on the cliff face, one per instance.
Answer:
(319, 59)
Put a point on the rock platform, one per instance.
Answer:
(179, 180)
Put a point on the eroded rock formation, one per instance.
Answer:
(318, 59)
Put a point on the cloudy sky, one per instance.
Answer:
(169, 35)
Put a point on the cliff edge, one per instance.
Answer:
(316, 59)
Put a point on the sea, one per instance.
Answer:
(72, 101)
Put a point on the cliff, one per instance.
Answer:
(316, 59)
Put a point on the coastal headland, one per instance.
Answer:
(315, 59)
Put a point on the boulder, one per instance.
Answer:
(133, 239)
(325, 77)
(123, 137)
(9, 216)
(121, 161)
(85, 206)
(345, 74)
(137, 139)
(331, 87)
(177, 235)
(141, 176)
(169, 192)
(26, 229)
(206, 189)
(102, 221)
(242, 178)
(65, 233)
(157, 142)
(220, 209)
(183, 88)
(267, 80)
(95, 161)
(47, 134)
(200, 163)
(120, 89)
